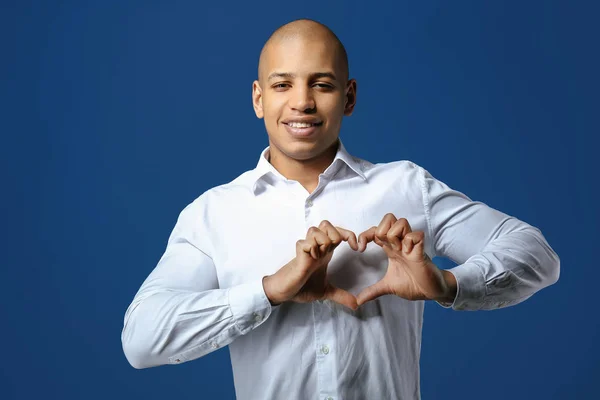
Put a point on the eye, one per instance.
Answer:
(324, 86)
(279, 86)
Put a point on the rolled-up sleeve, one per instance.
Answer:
(501, 259)
(180, 313)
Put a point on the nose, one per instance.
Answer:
(302, 99)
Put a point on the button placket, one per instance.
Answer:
(323, 329)
(325, 360)
(257, 317)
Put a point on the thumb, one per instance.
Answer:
(372, 292)
(341, 296)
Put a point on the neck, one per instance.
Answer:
(306, 172)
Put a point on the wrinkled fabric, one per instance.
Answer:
(206, 291)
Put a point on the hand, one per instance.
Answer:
(304, 279)
(410, 274)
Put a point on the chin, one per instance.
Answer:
(302, 153)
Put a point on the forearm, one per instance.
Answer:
(171, 327)
(501, 259)
(509, 270)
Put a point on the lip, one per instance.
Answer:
(301, 132)
(306, 119)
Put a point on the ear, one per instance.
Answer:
(350, 97)
(257, 99)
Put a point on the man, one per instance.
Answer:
(279, 265)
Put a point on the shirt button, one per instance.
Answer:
(329, 398)
(324, 349)
(309, 203)
(177, 360)
(214, 345)
(257, 317)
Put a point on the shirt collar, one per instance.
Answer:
(264, 167)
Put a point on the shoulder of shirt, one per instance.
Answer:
(240, 183)
(202, 207)
(395, 166)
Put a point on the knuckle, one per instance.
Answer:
(324, 223)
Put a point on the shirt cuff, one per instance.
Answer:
(470, 287)
(249, 305)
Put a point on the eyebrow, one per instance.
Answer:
(289, 75)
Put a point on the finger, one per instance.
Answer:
(321, 238)
(309, 246)
(332, 233)
(384, 226)
(381, 243)
(365, 238)
(372, 292)
(413, 240)
(407, 244)
(337, 234)
(370, 236)
(398, 231)
(341, 296)
(349, 237)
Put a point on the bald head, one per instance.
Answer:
(305, 30)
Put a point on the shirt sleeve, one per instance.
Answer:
(501, 259)
(180, 313)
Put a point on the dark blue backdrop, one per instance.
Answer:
(117, 114)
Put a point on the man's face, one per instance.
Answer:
(302, 94)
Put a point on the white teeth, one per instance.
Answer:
(300, 124)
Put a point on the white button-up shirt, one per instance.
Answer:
(206, 291)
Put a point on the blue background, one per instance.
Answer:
(117, 114)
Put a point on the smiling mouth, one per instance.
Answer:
(300, 125)
(302, 129)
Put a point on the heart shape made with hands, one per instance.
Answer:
(410, 274)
